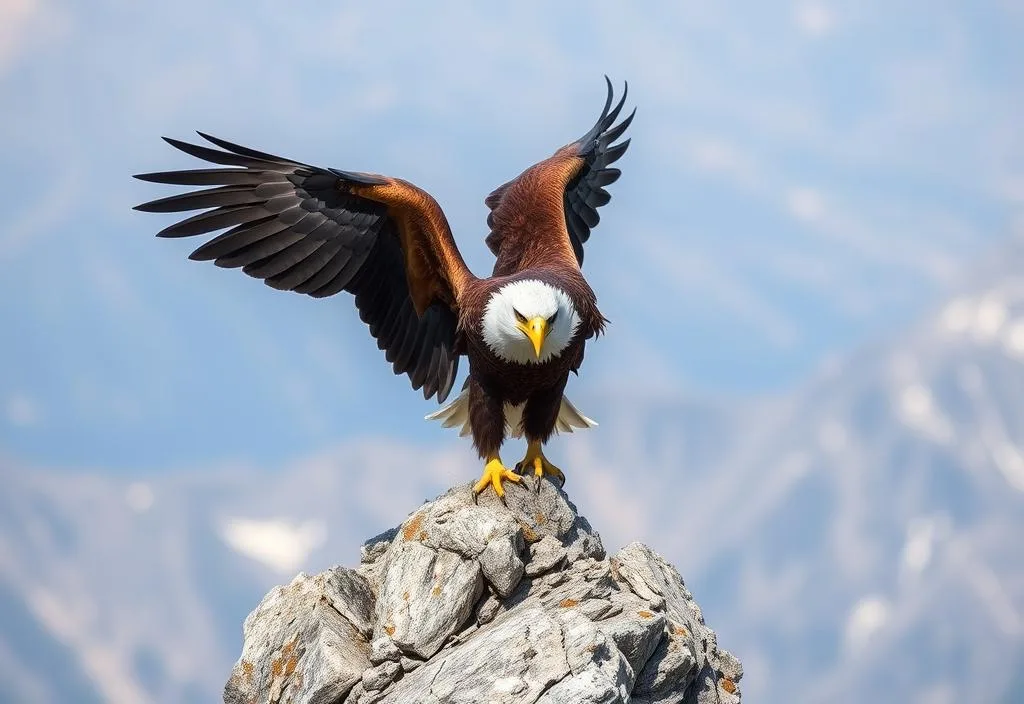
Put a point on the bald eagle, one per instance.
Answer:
(320, 231)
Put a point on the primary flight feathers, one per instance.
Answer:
(320, 231)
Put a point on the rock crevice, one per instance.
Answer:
(512, 603)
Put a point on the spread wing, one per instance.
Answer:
(321, 231)
(577, 174)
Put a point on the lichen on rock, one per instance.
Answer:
(467, 601)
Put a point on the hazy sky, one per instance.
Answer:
(805, 177)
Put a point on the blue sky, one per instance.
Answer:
(805, 178)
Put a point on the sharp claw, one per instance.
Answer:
(541, 467)
(494, 474)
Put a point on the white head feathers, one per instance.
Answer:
(529, 298)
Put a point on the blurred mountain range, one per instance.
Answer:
(854, 540)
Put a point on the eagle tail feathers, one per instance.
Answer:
(456, 414)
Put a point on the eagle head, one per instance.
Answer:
(529, 321)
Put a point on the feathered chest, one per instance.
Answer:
(517, 381)
(524, 329)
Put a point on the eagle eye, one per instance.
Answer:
(551, 320)
(519, 316)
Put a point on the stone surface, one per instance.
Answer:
(545, 555)
(380, 676)
(384, 649)
(305, 642)
(486, 602)
(514, 661)
(427, 594)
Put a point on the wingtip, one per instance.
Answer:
(210, 138)
(224, 144)
(610, 118)
(607, 100)
(178, 144)
(216, 141)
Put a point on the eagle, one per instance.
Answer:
(320, 231)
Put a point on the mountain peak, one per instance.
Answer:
(471, 601)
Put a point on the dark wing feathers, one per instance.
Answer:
(301, 228)
(584, 193)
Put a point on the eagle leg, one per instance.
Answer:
(494, 473)
(541, 466)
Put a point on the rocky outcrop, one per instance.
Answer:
(486, 602)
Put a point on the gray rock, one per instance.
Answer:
(460, 617)
(455, 522)
(487, 609)
(376, 546)
(410, 664)
(305, 642)
(426, 596)
(501, 564)
(380, 676)
(545, 555)
(513, 661)
(383, 650)
(668, 673)
(635, 630)
(716, 672)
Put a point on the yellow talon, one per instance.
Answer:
(535, 458)
(494, 473)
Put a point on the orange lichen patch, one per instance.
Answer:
(389, 629)
(285, 664)
(728, 685)
(411, 528)
(645, 614)
(539, 519)
(567, 603)
(422, 536)
(680, 631)
(528, 534)
(405, 596)
(247, 670)
(436, 591)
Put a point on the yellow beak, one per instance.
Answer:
(537, 330)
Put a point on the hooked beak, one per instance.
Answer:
(537, 330)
